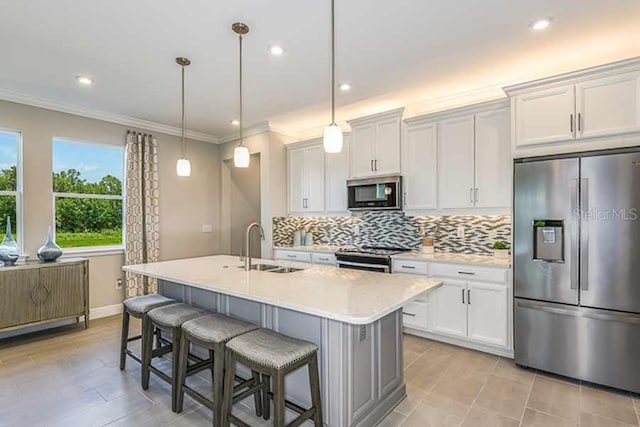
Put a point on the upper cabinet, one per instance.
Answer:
(458, 160)
(375, 144)
(317, 180)
(575, 111)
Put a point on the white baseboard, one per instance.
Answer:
(105, 311)
(504, 352)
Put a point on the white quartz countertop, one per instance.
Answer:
(484, 260)
(350, 296)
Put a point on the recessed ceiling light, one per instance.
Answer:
(345, 87)
(84, 80)
(541, 24)
(276, 50)
(235, 122)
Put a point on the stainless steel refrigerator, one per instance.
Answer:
(577, 266)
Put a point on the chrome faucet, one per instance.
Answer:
(247, 244)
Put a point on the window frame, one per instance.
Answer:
(107, 249)
(17, 193)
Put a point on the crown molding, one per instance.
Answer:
(64, 107)
(460, 111)
(266, 126)
(395, 113)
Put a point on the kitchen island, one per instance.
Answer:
(355, 318)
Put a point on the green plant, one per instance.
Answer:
(501, 245)
(539, 223)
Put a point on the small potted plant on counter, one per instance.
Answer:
(501, 249)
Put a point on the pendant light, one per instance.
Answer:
(183, 167)
(241, 155)
(332, 140)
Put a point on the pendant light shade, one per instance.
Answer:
(183, 167)
(332, 140)
(241, 156)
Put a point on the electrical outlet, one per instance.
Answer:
(461, 231)
(207, 228)
(356, 229)
(119, 284)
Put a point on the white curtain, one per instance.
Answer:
(142, 210)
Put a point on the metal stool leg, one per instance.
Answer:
(124, 339)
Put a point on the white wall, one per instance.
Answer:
(186, 203)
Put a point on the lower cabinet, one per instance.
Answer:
(325, 258)
(450, 309)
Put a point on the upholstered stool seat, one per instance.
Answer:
(270, 349)
(169, 319)
(275, 356)
(211, 332)
(138, 307)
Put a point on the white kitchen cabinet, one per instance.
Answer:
(323, 258)
(492, 159)
(487, 305)
(581, 110)
(415, 314)
(545, 116)
(375, 144)
(608, 106)
(449, 308)
(419, 166)
(456, 162)
(292, 255)
(336, 167)
(306, 179)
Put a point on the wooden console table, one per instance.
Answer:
(35, 292)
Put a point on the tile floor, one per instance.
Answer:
(70, 377)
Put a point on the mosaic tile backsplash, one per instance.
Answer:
(394, 229)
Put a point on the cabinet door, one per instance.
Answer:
(545, 116)
(419, 172)
(487, 310)
(450, 308)
(314, 177)
(336, 174)
(455, 162)
(297, 184)
(387, 160)
(19, 297)
(414, 314)
(65, 293)
(363, 150)
(608, 106)
(493, 160)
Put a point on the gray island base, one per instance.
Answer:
(353, 316)
(360, 365)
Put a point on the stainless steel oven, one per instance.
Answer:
(369, 258)
(375, 193)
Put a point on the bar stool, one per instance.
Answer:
(275, 356)
(169, 319)
(138, 307)
(212, 332)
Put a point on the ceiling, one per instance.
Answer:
(416, 53)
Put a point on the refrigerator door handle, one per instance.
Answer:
(575, 215)
(580, 312)
(584, 234)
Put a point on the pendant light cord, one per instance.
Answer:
(333, 64)
(241, 121)
(183, 112)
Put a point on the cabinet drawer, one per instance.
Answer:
(415, 314)
(465, 272)
(410, 267)
(327, 259)
(293, 255)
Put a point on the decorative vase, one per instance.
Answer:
(297, 238)
(501, 253)
(9, 252)
(49, 252)
(308, 238)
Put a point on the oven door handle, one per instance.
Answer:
(384, 268)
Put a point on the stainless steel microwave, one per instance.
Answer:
(375, 193)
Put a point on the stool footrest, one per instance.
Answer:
(133, 355)
(160, 374)
(199, 366)
(294, 407)
(137, 337)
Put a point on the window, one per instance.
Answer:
(10, 182)
(87, 192)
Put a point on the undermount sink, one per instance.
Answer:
(274, 268)
(285, 270)
(264, 267)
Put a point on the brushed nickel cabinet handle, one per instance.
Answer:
(467, 273)
(371, 166)
(463, 296)
(471, 195)
(469, 296)
(375, 162)
(579, 122)
(571, 122)
(408, 314)
(477, 198)
(411, 267)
